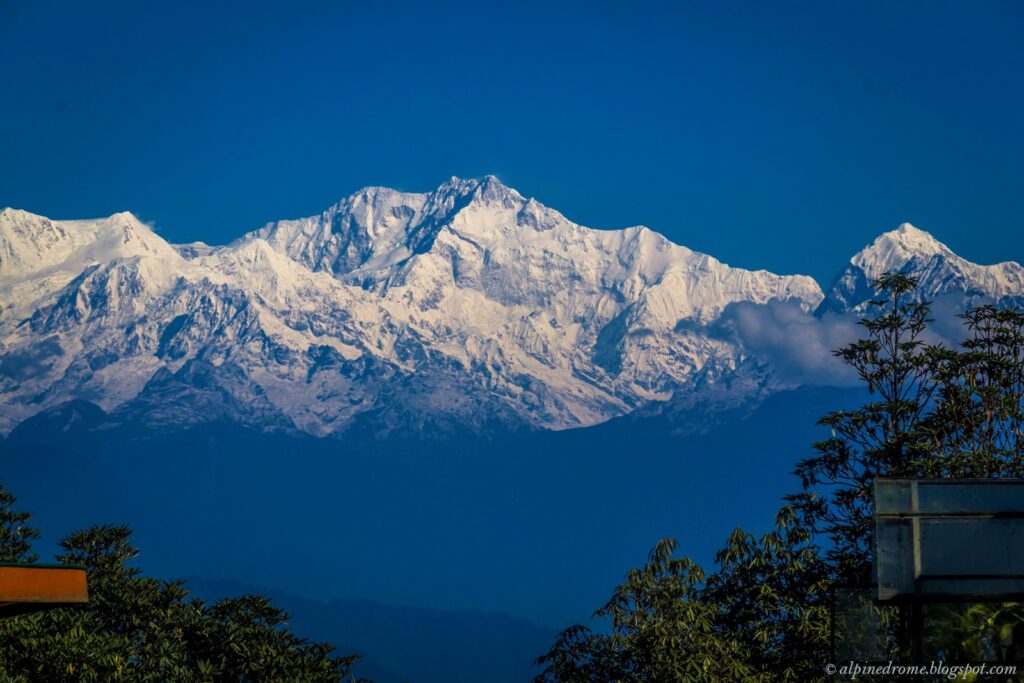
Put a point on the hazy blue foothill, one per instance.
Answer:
(398, 644)
(536, 525)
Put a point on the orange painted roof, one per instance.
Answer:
(27, 588)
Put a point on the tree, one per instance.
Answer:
(975, 428)
(775, 595)
(16, 535)
(881, 437)
(137, 628)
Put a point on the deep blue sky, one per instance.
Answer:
(777, 135)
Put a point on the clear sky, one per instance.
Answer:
(782, 135)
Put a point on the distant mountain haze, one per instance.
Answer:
(398, 644)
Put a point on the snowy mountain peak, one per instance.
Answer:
(125, 217)
(916, 238)
(34, 246)
(891, 250)
(490, 188)
(937, 268)
(908, 229)
(373, 236)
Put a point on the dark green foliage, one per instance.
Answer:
(16, 535)
(976, 425)
(774, 594)
(976, 632)
(765, 613)
(137, 628)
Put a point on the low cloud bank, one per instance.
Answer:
(800, 345)
(796, 343)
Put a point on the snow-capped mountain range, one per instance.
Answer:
(467, 306)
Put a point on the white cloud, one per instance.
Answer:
(800, 345)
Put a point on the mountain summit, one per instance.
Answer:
(31, 244)
(938, 269)
(468, 307)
